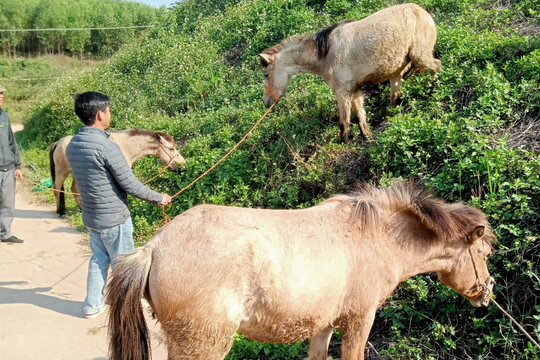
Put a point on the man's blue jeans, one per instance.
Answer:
(105, 244)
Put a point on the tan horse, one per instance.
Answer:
(134, 144)
(286, 275)
(352, 54)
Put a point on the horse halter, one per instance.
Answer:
(270, 88)
(483, 288)
(166, 151)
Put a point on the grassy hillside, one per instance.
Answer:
(26, 78)
(469, 134)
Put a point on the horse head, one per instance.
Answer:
(469, 274)
(167, 152)
(456, 238)
(278, 78)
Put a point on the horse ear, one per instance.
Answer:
(264, 59)
(181, 142)
(477, 233)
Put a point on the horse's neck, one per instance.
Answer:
(301, 56)
(420, 257)
(135, 147)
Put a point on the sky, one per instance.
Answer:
(157, 3)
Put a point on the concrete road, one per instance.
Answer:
(42, 287)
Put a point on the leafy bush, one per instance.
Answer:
(245, 349)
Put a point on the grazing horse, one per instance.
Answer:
(134, 144)
(352, 54)
(286, 275)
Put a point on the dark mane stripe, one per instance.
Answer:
(322, 38)
(449, 221)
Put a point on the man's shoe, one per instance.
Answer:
(96, 314)
(13, 239)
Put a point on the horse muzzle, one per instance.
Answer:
(270, 97)
(268, 102)
(180, 162)
(481, 293)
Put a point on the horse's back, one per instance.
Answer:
(409, 14)
(222, 231)
(379, 45)
(397, 26)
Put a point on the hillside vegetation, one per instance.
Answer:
(470, 134)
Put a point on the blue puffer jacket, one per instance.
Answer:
(9, 154)
(104, 179)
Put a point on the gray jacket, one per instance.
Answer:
(104, 179)
(9, 154)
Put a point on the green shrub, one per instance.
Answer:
(244, 349)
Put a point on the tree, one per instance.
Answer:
(77, 41)
(52, 14)
(13, 15)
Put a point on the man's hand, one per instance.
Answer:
(166, 199)
(18, 174)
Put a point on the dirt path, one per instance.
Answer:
(42, 287)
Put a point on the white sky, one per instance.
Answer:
(157, 3)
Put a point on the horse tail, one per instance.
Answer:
(128, 333)
(408, 71)
(51, 161)
(61, 207)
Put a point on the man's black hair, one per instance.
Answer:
(88, 104)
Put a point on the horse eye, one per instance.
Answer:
(266, 76)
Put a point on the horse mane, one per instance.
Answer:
(277, 48)
(371, 205)
(322, 38)
(151, 133)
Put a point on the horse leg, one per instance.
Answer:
(318, 345)
(395, 94)
(421, 54)
(358, 107)
(59, 196)
(434, 65)
(344, 104)
(407, 70)
(75, 191)
(199, 339)
(355, 338)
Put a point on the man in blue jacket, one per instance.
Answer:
(10, 170)
(104, 180)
